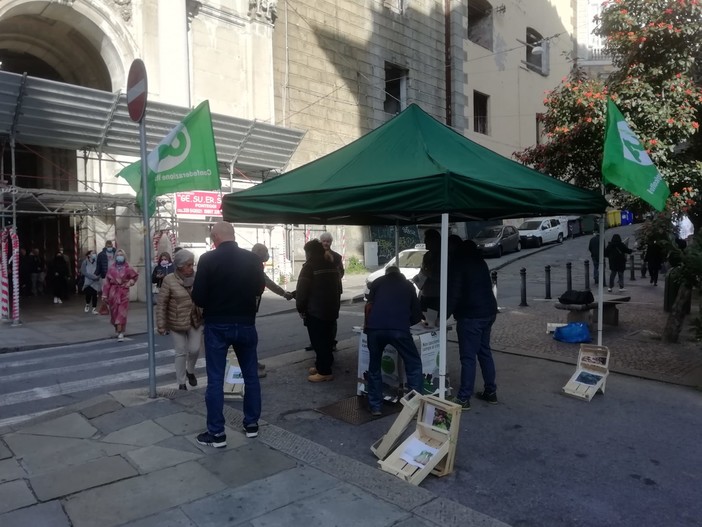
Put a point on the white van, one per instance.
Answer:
(538, 231)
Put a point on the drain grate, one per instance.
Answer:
(354, 410)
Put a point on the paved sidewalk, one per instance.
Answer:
(123, 459)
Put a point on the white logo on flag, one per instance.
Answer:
(633, 150)
(161, 160)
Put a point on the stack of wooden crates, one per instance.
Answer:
(438, 423)
(591, 372)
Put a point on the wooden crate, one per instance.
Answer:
(386, 444)
(431, 449)
(232, 391)
(591, 372)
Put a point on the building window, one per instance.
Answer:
(540, 133)
(395, 88)
(480, 23)
(537, 48)
(398, 6)
(480, 112)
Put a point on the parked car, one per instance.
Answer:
(410, 262)
(497, 240)
(539, 231)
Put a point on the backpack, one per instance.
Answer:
(576, 297)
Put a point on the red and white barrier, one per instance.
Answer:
(15, 277)
(4, 287)
(156, 241)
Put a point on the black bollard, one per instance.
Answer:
(569, 276)
(587, 275)
(547, 270)
(632, 276)
(522, 274)
(493, 276)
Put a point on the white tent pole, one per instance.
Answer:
(442, 305)
(397, 243)
(600, 287)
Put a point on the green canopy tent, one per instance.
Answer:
(412, 169)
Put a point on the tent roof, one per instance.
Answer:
(48, 113)
(409, 170)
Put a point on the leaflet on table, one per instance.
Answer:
(417, 453)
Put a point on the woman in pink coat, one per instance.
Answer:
(115, 291)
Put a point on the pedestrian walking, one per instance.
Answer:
(473, 305)
(163, 269)
(176, 313)
(227, 284)
(655, 256)
(105, 260)
(391, 309)
(318, 301)
(115, 292)
(594, 248)
(616, 253)
(37, 272)
(91, 282)
(59, 277)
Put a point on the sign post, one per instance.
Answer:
(137, 88)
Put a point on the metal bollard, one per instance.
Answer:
(522, 274)
(547, 270)
(632, 276)
(587, 275)
(569, 276)
(493, 277)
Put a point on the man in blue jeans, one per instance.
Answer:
(227, 284)
(473, 305)
(392, 308)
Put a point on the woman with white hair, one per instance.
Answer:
(115, 291)
(175, 312)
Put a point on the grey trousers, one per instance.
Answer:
(187, 346)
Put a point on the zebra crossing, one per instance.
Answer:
(38, 381)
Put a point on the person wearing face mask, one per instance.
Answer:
(91, 281)
(105, 260)
(115, 291)
(176, 313)
(164, 268)
(59, 277)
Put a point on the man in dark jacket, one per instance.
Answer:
(594, 248)
(474, 307)
(616, 252)
(392, 308)
(105, 259)
(227, 285)
(317, 300)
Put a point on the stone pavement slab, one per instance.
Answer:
(101, 408)
(141, 434)
(4, 451)
(153, 458)
(136, 498)
(447, 512)
(41, 515)
(15, 495)
(342, 506)
(43, 453)
(170, 518)
(10, 470)
(241, 504)
(181, 423)
(74, 478)
(71, 425)
(250, 462)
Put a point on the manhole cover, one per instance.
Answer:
(354, 410)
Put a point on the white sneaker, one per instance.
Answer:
(120, 337)
(55, 300)
(59, 301)
(609, 289)
(87, 308)
(95, 311)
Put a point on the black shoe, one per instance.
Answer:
(207, 439)
(376, 412)
(192, 380)
(182, 387)
(251, 430)
(464, 404)
(487, 397)
(309, 348)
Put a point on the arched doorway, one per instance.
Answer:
(80, 43)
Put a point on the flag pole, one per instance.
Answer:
(600, 281)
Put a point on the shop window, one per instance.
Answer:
(480, 112)
(480, 23)
(395, 88)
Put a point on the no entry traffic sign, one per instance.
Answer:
(137, 87)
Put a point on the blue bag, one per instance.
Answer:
(573, 332)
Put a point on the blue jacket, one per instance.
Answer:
(227, 285)
(470, 288)
(394, 303)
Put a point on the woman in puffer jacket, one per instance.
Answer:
(175, 312)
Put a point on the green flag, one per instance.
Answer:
(627, 165)
(186, 159)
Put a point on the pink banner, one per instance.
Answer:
(199, 203)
